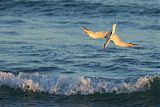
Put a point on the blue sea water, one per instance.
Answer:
(46, 60)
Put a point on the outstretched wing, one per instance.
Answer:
(95, 35)
(116, 39)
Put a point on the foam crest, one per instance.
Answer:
(65, 85)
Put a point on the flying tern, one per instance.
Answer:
(110, 36)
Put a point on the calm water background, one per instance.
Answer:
(44, 39)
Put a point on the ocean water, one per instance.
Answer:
(46, 60)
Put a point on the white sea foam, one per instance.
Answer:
(64, 85)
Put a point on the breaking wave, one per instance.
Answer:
(65, 85)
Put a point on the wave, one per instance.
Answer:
(74, 85)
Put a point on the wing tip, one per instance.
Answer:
(84, 28)
(134, 44)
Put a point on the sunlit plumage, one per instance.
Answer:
(95, 35)
(111, 36)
